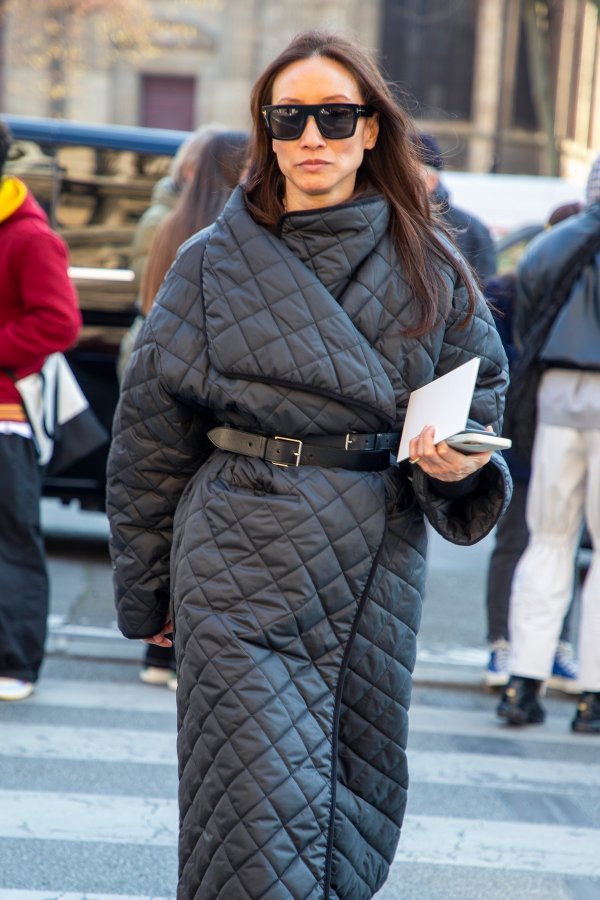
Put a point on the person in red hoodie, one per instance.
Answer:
(39, 315)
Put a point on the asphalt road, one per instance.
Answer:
(88, 805)
(88, 772)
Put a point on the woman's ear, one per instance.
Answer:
(371, 131)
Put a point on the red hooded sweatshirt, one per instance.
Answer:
(39, 312)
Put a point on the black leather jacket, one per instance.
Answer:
(545, 261)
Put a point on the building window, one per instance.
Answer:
(428, 47)
(167, 101)
(523, 113)
(2, 57)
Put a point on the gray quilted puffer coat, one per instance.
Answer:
(295, 592)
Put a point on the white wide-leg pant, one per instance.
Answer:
(565, 485)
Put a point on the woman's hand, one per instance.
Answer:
(441, 461)
(161, 639)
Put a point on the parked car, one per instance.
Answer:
(510, 247)
(94, 181)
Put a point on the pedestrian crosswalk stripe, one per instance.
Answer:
(103, 695)
(423, 719)
(69, 895)
(439, 840)
(41, 815)
(429, 840)
(119, 745)
(537, 761)
(88, 744)
(500, 772)
(482, 723)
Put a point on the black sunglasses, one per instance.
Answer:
(335, 121)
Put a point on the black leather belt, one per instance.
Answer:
(360, 452)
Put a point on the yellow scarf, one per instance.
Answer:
(12, 194)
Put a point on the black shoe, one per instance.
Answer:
(519, 704)
(587, 717)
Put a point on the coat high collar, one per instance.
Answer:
(335, 240)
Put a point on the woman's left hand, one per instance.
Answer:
(161, 639)
(441, 461)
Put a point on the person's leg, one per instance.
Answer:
(543, 581)
(24, 592)
(587, 716)
(161, 657)
(512, 535)
(159, 666)
(589, 625)
(511, 539)
(565, 669)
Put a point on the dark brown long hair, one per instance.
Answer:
(392, 168)
(219, 169)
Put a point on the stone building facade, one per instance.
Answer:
(505, 85)
(209, 50)
(469, 69)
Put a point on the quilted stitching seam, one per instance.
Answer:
(336, 714)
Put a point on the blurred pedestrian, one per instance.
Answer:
(252, 497)
(472, 236)
(512, 534)
(558, 335)
(166, 193)
(165, 197)
(218, 169)
(39, 315)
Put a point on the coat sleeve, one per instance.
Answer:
(159, 442)
(469, 518)
(482, 251)
(50, 319)
(528, 292)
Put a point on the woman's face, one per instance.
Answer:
(319, 171)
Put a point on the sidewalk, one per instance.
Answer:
(452, 650)
(461, 668)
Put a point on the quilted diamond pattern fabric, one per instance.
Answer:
(295, 592)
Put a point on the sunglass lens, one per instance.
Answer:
(286, 123)
(336, 122)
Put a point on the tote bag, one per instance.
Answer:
(65, 429)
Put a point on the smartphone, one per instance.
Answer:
(473, 441)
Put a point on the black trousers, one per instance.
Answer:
(24, 592)
(159, 657)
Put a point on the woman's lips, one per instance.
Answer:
(313, 165)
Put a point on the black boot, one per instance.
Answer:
(587, 717)
(519, 704)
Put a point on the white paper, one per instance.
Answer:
(443, 403)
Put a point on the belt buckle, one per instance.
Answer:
(348, 440)
(297, 453)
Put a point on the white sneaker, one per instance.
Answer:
(15, 689)
(155, 675)
(496, 673)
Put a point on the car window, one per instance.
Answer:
(511, 247)
(94, 197)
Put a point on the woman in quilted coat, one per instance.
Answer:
(255, 508)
